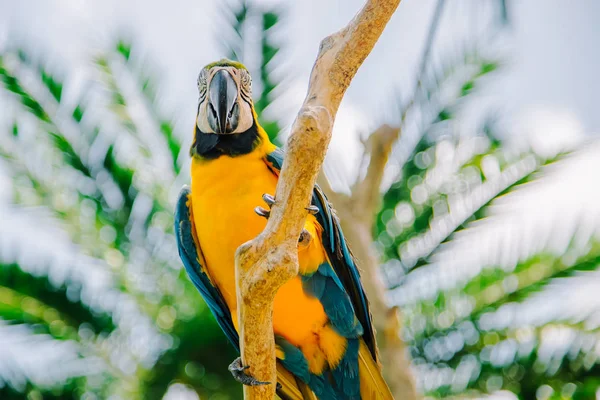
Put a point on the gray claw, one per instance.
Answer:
(262, 212)
(312, 210)
(270, 200)
(239, 374)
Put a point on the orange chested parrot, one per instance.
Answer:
(321, 321)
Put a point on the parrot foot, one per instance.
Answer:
(270, 200)
(305, 237)
(239, 374)
(262, 212)
(312, 209)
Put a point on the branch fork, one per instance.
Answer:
(267, 262)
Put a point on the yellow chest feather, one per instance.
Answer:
(225, 192)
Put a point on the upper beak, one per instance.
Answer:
(223, 103)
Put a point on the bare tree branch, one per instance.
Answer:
(396, 366)
(357, 215)
(365, 193)
(265, 263)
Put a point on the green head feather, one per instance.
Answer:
(226, 63)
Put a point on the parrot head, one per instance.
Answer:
(226, 123)
(225, 98)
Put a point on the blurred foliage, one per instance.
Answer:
(241, 39)
(459, 325)
(146, 327)
(116, 315)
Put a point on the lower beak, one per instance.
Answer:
(223, 97)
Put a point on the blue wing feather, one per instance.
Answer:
(347, 372)
(326, 286)
(191, 261)
(295, 362)
(336, 285)
(348, 276)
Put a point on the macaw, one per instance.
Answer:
(325, 342)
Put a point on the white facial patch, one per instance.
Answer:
(246, 119)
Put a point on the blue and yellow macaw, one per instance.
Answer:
(323, 332)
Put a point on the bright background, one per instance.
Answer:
(498, 298)
(549, 84)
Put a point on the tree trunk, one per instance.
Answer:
(392, 351)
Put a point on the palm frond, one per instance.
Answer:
(239, 43)
(146, 82)
(520, 360)
(35, 300)
(36, 362)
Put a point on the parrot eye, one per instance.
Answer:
(246, 80)
(202, 84)
(246, 85)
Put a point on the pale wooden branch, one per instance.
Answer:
(265, 263)
(357, 216)
(366, 192)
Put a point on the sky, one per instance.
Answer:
(546, 90)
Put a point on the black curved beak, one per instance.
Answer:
(223, 106)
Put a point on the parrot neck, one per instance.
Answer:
(209, 146)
